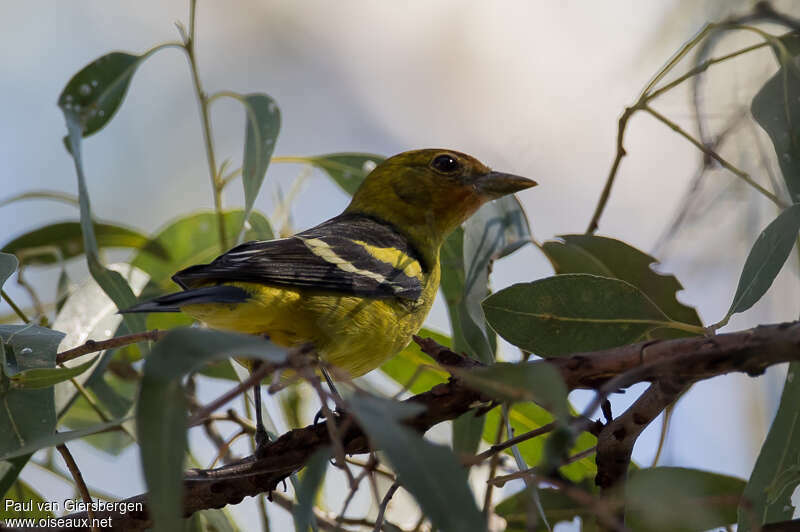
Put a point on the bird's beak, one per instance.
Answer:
(497, 184)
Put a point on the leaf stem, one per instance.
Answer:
(702, 67)
(714, 155)
(202, 101)
(646, 96)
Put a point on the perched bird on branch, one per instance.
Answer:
(357, 286)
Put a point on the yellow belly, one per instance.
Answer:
(354, 334)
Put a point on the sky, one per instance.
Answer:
(531, 88)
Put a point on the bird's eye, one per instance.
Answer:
(446, 164)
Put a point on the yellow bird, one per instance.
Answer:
(357, 286)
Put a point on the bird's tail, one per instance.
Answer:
(174, 302)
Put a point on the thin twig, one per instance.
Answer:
(714, 155)
(79, 482)
(333, 432)
(257, 376)
(18, 311)
(224, 449)
(487, 497)
(93, 346)
(202, 101)
(382, 508)
(376, 469)
(499, 447)
(373, 461)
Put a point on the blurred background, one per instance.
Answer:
(532, 88)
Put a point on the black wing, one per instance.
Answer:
(349, 254)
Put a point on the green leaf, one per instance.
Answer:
(557, 508)
(608, 257)
(310, 483)
(8, 265)
(766, 259)
(526, 417)
(62, 241)
(25, 415)
(116, 397)
(405, 365)
(28, 503)
(469, 337)
(776, 474)
(497, 229)
(347, 170)
(776, 109)
(88, 313)
(566, 314)
(525, 381)
(9, 471)
(95, 93)
(53, 439)
(263, 121)
(110, 281)
(211, 521)
(431, 473)
(190, 240)
(161, 412)
(677, 499)
(33, 379)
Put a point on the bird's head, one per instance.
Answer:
(431, 192)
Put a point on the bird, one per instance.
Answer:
(357, 286)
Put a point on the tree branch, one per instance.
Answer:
(682, 361)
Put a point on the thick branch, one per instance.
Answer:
(681, 362)
(615, 442)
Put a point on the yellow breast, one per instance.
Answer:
(355, 334)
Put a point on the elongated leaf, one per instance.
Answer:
(263, 121)
(469, 337)
(27, 503)
(95, 93)
(677, 499)
(524, 381)
(8, 265)
(776, 474)
(608, 257)
(9, 471)
(191, 240)
(766, 259)
(110, 281)
(33, 379)
(776, 109)
(25, 415)
(51, 440)
(431, 473)
(48, 244)
(565, 314)
(347, 170)
(41, 194)
(310, 483)
(161, 413)
(497, 229)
